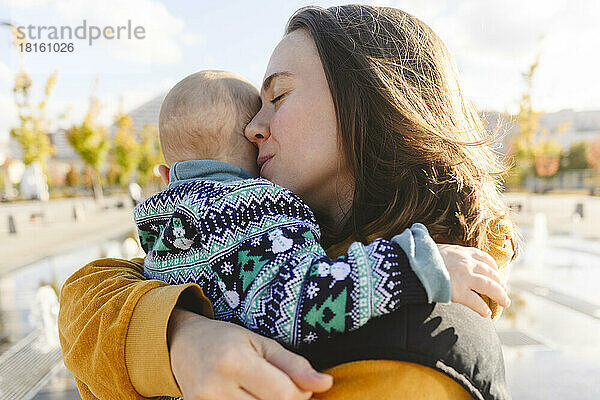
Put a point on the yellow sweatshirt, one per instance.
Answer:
(113, 325)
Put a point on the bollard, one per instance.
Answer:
(78, 213)
(579, 210)
(12, 228)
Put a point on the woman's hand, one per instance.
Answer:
(473, 270)
(218, 360)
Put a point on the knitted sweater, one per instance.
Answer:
(253, 247)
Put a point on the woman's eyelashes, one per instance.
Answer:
(276, 99)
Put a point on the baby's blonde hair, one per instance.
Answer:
(201, 114)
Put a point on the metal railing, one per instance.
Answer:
(27, 366)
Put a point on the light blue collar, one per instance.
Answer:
(205, 169)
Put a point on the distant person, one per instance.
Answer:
(135, 193)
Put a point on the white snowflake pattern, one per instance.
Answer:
(255, 241)
(311, 337)
(227, 268)
(312, 290)
(323, 269)
(292, 228)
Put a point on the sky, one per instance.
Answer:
(492, 42)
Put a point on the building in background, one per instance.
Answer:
(144, 114)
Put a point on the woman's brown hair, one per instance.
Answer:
(416, 148)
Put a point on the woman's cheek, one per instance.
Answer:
(283, 126)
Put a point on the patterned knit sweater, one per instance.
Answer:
(253, 247)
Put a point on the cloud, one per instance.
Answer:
(493, 42)
(8, 115)
(6, 74)
(8, 111)
(191, 39)
(164, 32)
(24, 3)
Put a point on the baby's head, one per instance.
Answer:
(203, 118)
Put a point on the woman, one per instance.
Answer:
(364, 118)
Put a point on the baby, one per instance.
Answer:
(253, 246)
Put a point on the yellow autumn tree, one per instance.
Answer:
(593, 156)
(32, 130)
(126, 150)
(150, 154)
(90, 140)
(535, 149)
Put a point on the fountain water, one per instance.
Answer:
(537, 244)
(43, 316)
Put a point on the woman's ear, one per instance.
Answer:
(164, 173)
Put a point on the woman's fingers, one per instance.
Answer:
(295, 366)
(492, 289)
(215, 360)
(267, 382)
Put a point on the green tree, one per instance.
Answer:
(2, 179)
(150, 154)
(577, 156)
(90, 141)
(126, 150)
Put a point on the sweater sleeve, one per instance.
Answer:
(343, 294)
(111, 320)
(427, 262)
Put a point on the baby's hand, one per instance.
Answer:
(473, 270)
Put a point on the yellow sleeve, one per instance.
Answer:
(112, 328)
(385, 379)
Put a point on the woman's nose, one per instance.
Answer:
(257, 131)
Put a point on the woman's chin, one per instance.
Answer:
(265, 175)
(273, 177)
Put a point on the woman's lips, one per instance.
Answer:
(263, 161)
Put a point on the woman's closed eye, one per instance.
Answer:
(276, 99)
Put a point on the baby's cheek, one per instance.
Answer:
(251, 153)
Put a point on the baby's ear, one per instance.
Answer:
(164, 173)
